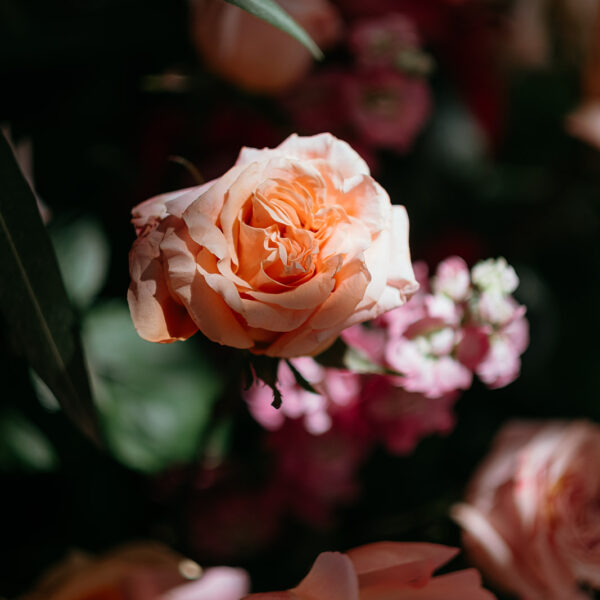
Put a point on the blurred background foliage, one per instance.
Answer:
(85, 83)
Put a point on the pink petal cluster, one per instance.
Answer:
(531, 516)
(337, 389)
(381, 571)
(462, 322)
(382, 99)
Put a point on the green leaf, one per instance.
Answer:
(38, 319)
(83, 255)
(272, 13)
(23, 445)
(155, 400)
(265, 368)
(300, 379)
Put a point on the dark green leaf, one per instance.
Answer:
(23, 445)
(38, 318)
(155, 400)
(265, 368)
(272, 13)
(83, 255)
(300, 379)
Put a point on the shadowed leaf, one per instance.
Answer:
(38, 319)
(272, 13)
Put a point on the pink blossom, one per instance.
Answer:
(502, 364)
(388, 108)
(384, 570)
(428, 375)
(452, 278)
(531, 516)
(314, 474)
(401, 418)
(336, 388)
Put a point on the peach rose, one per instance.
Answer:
(254, 54)
(279, 255)
(384, 571)
(531, 515)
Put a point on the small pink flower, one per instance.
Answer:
(452, 278)
(502, 364)
(336, 388)
(388, 108)
(531, 516)
(384, 570)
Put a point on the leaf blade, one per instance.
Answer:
(39, 320)
(272, 13)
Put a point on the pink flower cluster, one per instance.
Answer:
(420, 356)
(460, 323)
(382, 100)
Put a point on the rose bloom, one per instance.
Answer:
(141, 571)
(531, 515)
(279, 255)
(384, 571)
(254, 54)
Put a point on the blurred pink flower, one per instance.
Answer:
(452, 278)
(337, 388)
(381, 41)
(384, 570)
(254, 54)
(317, 473)
(401, 418)
(531, 515)
(219, 526)
(502, 364)
(388, 108)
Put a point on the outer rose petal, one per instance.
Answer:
(337, 154)
(156, 316)
(332, 577)
(398, 563)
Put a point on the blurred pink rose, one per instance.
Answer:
(382, 571)
(278, 256)
(142, 571)
(252, 53)
(388, 108)
(531, 519)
